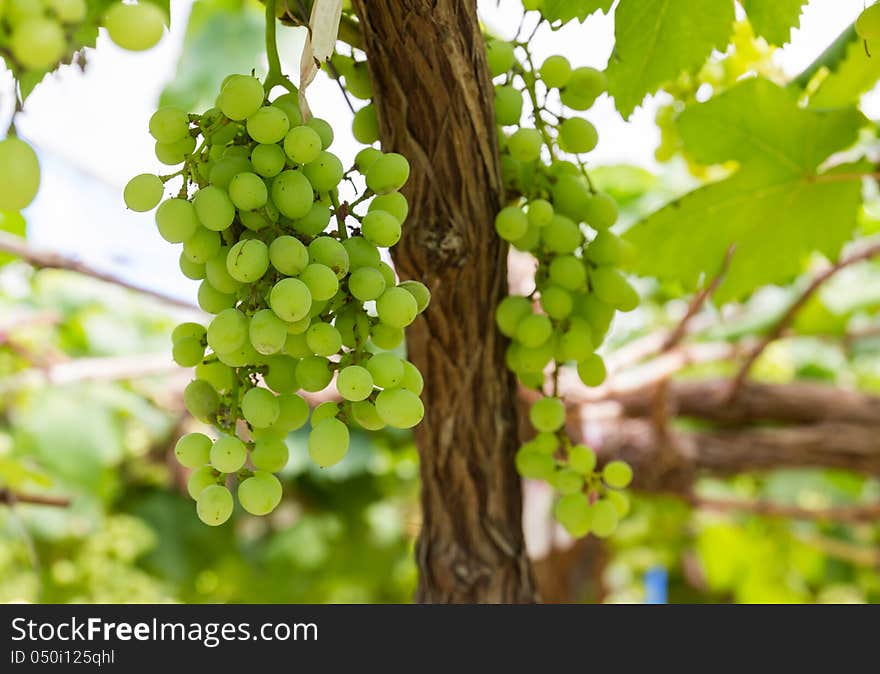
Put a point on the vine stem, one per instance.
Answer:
(275, 76)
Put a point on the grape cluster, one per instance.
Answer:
(555, 214)
(294, 304)
(356, 80)
(38, 35)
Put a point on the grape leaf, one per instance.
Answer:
(774, 19)
(855, 73)
(777, 208)
(658, 39)
(568, 10)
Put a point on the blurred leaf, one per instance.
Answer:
(568, 10)
(775, 19)
(856, 72)
(624, 182)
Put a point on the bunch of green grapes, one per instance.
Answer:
(555, 214)
(36, 36)
(356, 80)
(300, 295)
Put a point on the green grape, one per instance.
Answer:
(169, 125)
(188, 352)
(143, 192)
(270, 454)
(290, 299)
(605, 249)
(202, 246)
(320, 280)
(533, 330)
(190, 269)
(567, 481)
(354, 326)
(535, 359)
(135, 27)
(323, 339)
(387, 273)
(529, 241)
(298, 327)
(357, 81)
(620, 501)
(604, 518)
(267, 332)
(329, 252)
(228, 454)
(268, 160)
(248, 260)
(419, 291)
(240, 97)
(547, 414)
(217, 374)
(412, 378)
(393, 202)
(365, 158)
(591, 370)
(388, 173)
(293, 414)
(280, 375)
(218, 275)
(582, 459)
(508, 105)
(323, 129)
(261, 493)
(575, 344)
(399, 408)
(248, 191)
(500, 56)
(200, 479)
(240, 357)
(365, 414)
(617, 474)
(598, 314)
(568, 272)
(296, 345)
(868, 23)
(365, 126)
(193, 450)
(187, 329)
(555, 71)
(510, 311)
(260, 407)
(577, 135)
(313, 373)
(212, 300)
(557, 302)
(227, 168)
(366, 284)
(601, 211)
(562, 235)
(214, 504)
(292, 193)
(381, 228)
(546, 443)
(315, 220)
(328, 442)
(19, 174)
(540, 212)
(288, 255)
(397, 307)
(354, 383)
(570, 195)
(612, 288)
(525, 144)
(385, 336)
(386, 369)
(302, 144)
(290, 104)
(511, 223)
(573, 512)
(176, 220)
(325, 172)
(326, 410)
(201, 399)
(269, 124)
(583, 88)
(534, 465)
(67, 11)
(227, 331)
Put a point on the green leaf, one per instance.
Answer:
(568, 10)
(777, 208)
(14, 223)
(854, 74)
(774, 19)
(658, 39)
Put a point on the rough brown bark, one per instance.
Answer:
(433, 97)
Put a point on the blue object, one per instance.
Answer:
(656, 585)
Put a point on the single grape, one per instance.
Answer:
(292, 193)
(393, 202)
(388, 173)
(582, 88)
(201, 399)
(176, 220)
(365, 414)
(240, 97)
(248, 191)
(591, 370)
(508, 105)
(200, 479)
(612, 288)
(573, 511)
(227, 331)
(604, 518)
(570, 196)
(399, 408)
(268, 160)
(386, 369)
(568, 271)
(555, 71)
(225, 169)
(500, 56)
(577, 135)
(315, 220)
(270, 454)
(280, 375)
(328, 442)
(324, 172)
(533, 330)
(228, 454)
(190, 269)
(575, 344)
(601, 211)
(248, 260)
(290, 104)
(240, 357)
(366, 284)
(354, 383)
(525, 144)
(320, 280)
(212, 300)
(327, 251)
(187, 329)
(617, 474)
(510, 311)
(556, 302)
(385, 336)
(135, 27)
(381, 228)
(868, 23)
(387, 273)
(68, 11)
(365, 126)
(620, 501)
(567, 481)
(193, 450)
(511, 223)
(313, 373)
(169, 125)
(217, 374)
(188, 352)
(412, 378)
(267, 332)
(323, 129)
(582, 459)
(365, 158)
(302, 144)
(540, 212)
(202, 246)
(214, 504)
(293, 414)
(420, 293)
(260, 494)
(143, 192)
(218, 275)
(323, 339)
(172, 154)
(269, 124)
(547, 414)
(260, 407)
(290, 299)
(357, 81)
(19, 174)
(605, 249)
(397, 307)
(534, 465)
(326, 410)
(562, 235)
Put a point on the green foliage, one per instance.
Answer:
(569, 10)
(851, 75)
(774, 20)
(778, 200)
(655, 40)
